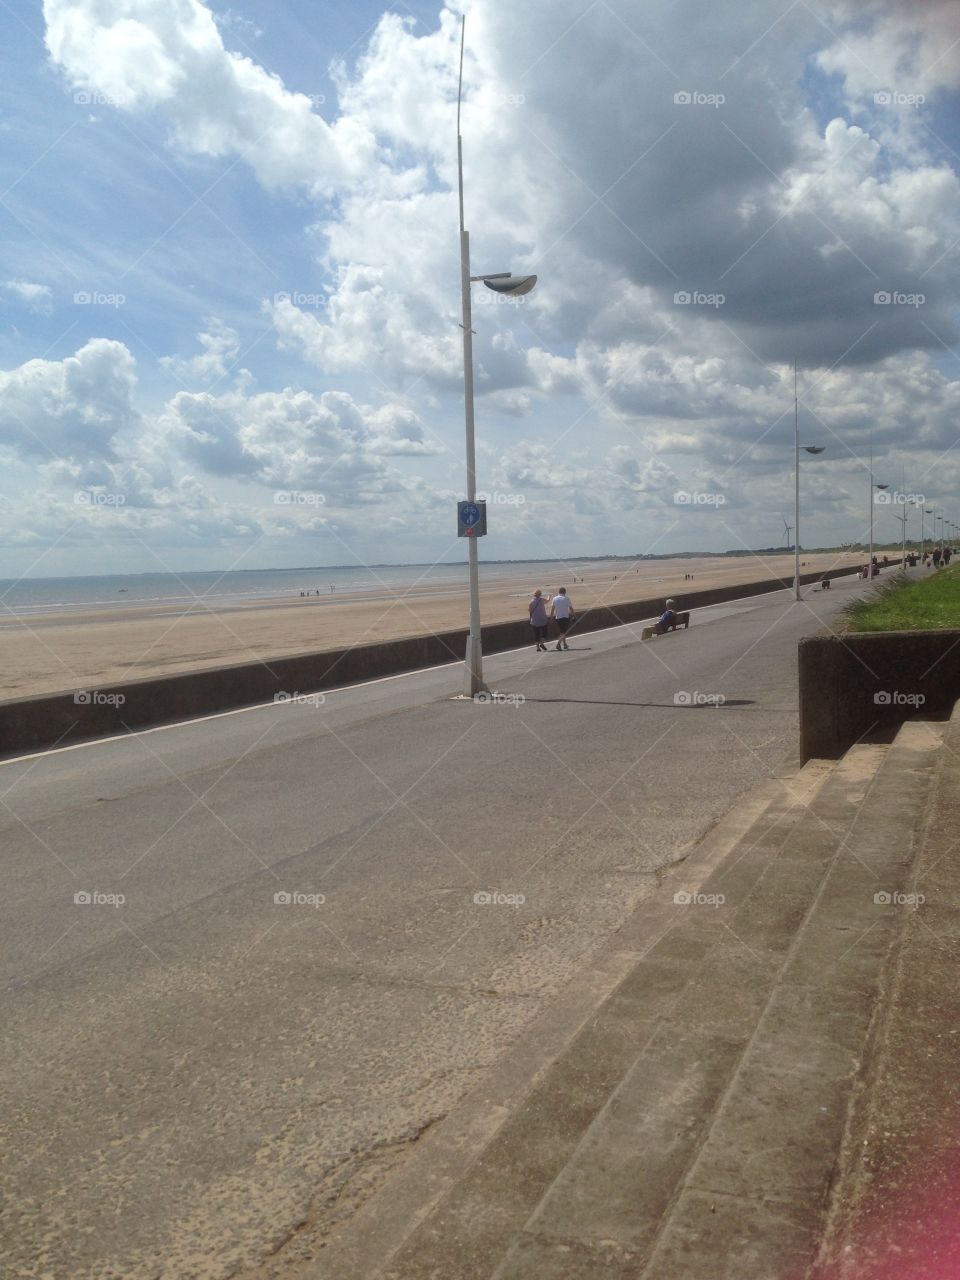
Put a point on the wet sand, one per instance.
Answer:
(88, 650)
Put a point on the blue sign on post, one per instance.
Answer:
(471, 519)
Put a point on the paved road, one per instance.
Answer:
(202, 1078)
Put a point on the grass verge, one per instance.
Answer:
(928, 604)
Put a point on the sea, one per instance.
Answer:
(32, 596)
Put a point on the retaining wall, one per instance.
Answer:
(856, 685)
(47, 720)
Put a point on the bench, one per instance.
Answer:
(681, 620)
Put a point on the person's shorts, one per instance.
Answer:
(562, 625)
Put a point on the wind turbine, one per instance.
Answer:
(787, 530)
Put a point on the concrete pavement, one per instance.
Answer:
(205, 1079)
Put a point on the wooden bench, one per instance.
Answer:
(681, 620)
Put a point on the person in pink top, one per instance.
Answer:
(538, 619)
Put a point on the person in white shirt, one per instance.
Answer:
(561, 608)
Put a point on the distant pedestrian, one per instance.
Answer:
(561, 609)
(947, 553)
(936, 557)
(538, 619)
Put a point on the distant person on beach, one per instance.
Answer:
(538, 619)
(561, 609)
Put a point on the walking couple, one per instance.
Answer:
(561, 610)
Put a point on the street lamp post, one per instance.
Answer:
(903, 545)
(873, 485)
(929, 512)
(500, 282)
(808, 448)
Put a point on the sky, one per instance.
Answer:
(230, 280)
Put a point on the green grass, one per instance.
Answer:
(929, 604)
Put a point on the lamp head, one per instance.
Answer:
(814, 448)
(513, 286)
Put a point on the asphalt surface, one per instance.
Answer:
(202, 1077)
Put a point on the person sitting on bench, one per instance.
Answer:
(668, 619)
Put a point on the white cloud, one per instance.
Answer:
(74, 408)
(169, 56)
(580, 165)
(220, 344)
(294, 440)
(38, 297)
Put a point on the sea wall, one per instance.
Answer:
(48, 720)
(853, 686)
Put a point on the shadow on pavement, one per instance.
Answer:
(669, 706)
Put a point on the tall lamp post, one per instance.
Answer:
(878, 487)
(903, 547)
(808, 448)
(500, 282)
(929, 512)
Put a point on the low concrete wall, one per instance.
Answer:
(855, 685)
(47, 720)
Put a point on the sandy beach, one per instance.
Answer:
(88, 650)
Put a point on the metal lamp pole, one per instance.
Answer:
(501, 282)
(473, 660)
(873, 486)
(808, 448)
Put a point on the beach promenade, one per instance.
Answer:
(251, 961)
(45, 652)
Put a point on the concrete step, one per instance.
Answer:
(752, 1203)
(668, 1135)
(692, 1128)
(471, 1183)
(892, 1207)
